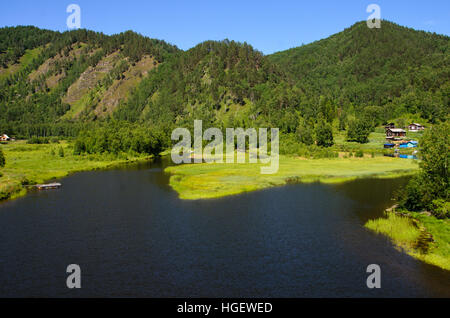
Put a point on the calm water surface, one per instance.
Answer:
(132, 236)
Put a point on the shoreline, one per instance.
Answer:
(20, 174)
(22, 190)
(420, 235)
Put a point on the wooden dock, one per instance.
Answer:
(48, 186)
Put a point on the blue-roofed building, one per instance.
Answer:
(409, 144)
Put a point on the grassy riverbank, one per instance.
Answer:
(33, 164)
(419, 235)
(204, 181)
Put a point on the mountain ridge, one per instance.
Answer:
(85, 76)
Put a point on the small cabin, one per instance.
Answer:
(415, 127)
(4, 138)
(395, 133)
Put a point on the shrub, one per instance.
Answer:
(324, 134)
(35, 140)
(359, 131)
(441, 208)
(289, 145)
(54, 140)
(2, 159)
(79, 147)
(305, 134)
(429, 189)
(24, 181)
(412, 197)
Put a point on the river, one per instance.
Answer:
(133, 237)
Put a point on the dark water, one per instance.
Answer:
(132, 236)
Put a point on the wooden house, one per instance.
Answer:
(415, 127)
(395, 134)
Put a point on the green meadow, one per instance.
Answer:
(28, 164)
(422, 236)
(206, 181)
(375, 144)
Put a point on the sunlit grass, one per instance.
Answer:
(400, 228)
(409, 234)
(202, 181)
(439, 253)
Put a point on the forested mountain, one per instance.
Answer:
(49, 80)
(400, 69)
(214, 81)
(55, 83)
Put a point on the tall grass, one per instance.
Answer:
(412, 232)
(400, 228)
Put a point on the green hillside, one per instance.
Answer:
(214, 81)
(51, 80)
(399, 68)
(55, 83)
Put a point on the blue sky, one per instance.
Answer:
(269, 26)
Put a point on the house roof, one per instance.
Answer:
(397, 130)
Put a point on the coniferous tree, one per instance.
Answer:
(324, 134)
(359, 130)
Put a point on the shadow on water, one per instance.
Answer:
(372, 195)
(133, 237)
